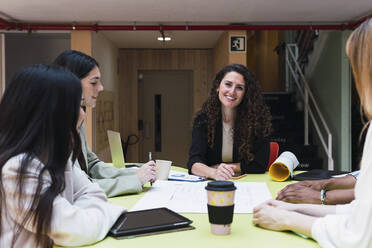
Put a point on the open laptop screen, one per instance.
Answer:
(116, 149)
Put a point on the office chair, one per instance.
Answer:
(274, 150)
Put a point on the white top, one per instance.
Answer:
(227, 142)
(81, 214)
(351, 226)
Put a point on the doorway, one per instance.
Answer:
(165, 114)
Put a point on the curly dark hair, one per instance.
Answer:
(253, 118)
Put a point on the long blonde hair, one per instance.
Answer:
(359, 51)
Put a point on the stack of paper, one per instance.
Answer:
(186, 197)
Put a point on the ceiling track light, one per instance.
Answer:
(163, 37)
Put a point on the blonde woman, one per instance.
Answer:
(348, 225)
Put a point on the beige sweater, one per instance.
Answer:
(351, 226)
(81, 214)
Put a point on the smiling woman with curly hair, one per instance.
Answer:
(230, 131)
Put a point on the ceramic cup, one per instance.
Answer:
(162, 169)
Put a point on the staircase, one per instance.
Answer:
(288, 130)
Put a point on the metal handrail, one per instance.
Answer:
(305, 93)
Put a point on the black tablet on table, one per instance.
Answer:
(147, 222)
(317, 174)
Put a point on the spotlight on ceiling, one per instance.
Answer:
(166, 38)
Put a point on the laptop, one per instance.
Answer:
(148, 222)
(116, 150)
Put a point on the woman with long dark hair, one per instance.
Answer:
(44, 198)
(230, 131)
(344, 225)
(114, 181)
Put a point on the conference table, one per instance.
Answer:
(243, 232)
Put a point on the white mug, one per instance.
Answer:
(162, 169)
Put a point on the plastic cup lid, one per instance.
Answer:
(220, 186)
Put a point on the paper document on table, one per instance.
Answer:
(186, 197)
(183, 176)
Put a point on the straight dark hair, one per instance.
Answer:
(38, 118)
(77, 62)
(80, 64)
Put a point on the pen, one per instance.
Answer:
(150, 158)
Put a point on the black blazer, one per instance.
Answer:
(200, 152)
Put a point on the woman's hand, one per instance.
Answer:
(278, 204)
(224, 172)
(281, 216)
(270, 217)
(147, 172)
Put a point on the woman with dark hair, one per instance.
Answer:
(344, 225)
(114, 181)
(230, 131)
(44, 198)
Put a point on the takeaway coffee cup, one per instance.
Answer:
(162, 169)
(220, 206)
(283, 167)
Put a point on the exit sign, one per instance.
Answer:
(238, 43)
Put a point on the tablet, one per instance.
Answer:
(150, 221)
(316, 175)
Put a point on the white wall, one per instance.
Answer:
(330, 82)
(106, 53)
(23, 49)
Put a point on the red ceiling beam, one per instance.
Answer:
(6, 25)
(4, 22)
(30, 27)
(357, 23)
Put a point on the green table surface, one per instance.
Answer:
(243, 232)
